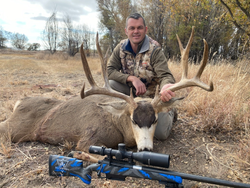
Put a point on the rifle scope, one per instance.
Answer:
(145, 157)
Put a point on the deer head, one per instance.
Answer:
(143, 112)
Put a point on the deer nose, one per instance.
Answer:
(145, 149)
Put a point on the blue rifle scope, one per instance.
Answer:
(145, 157)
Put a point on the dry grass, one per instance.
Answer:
(44, 61)
(6, 145)
(227, 108)
(68, 146)
(63, 62)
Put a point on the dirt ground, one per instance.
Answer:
(192, 151)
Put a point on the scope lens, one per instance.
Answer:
(96, 150)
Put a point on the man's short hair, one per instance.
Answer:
(135, 16)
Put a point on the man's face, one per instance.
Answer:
(135, 30)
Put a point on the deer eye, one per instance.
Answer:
(155, 121)
(133, 121)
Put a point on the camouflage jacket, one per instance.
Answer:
(149, 64)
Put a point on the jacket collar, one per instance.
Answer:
(143, 46)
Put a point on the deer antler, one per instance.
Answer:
(184, 82)
(106, 89)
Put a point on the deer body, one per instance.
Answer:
(54, 121)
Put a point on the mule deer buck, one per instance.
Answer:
(102, 117)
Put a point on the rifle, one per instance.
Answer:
(123, 166)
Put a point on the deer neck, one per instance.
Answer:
(125, 128)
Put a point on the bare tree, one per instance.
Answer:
(84, 36)
(3, 38)
(18, 40)
(73, 36)
(50, 34)
(68, 39)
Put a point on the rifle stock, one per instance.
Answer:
(116, 170)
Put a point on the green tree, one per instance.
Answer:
(237, 12)
(113, 19)
(155, 17)
(203, 15)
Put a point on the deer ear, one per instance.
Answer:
(115, 107)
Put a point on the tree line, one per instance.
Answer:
(17, 40)
(225, 24)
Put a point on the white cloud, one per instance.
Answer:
(91, 20)
(88, 9)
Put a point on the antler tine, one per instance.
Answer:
(103, 62)
(185, 53)
(87, 71)
(106, 90)
(105, 69)
(204, 60)
(156, 98)
(184, 60)
(201, 69)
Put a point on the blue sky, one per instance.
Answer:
(29, 16)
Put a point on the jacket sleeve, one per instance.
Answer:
(160, 65)
(114, 67)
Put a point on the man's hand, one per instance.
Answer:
(138, 84)
(166, 94)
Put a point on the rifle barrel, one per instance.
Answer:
(203, 179)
